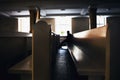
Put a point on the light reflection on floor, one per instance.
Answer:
(64, 47)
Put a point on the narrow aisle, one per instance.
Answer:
(64, 68)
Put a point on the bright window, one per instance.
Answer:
(101, 21)
(62, 25)
(24, 24)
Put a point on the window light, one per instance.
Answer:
(24, 24)
(62, 25)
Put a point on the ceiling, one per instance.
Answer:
(18, 8)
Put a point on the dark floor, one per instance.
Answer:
(64, 68)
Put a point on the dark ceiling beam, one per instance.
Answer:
(56, 4)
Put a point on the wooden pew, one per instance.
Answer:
(96, 37)
(88, 52)
(13, 48)
(113, 49)
(37, 66)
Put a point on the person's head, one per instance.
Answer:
(68, 32)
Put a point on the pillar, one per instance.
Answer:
(92, 17)
(32, 18)
(37, 14)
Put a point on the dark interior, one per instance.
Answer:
(16, 46)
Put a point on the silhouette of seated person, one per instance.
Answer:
(68, 39)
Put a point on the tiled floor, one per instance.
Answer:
(64, 68)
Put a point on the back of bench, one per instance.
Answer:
(41, 51)
(88, 51)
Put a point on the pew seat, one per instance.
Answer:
(24, 66)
